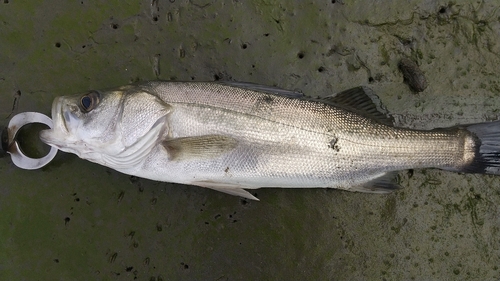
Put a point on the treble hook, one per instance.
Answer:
(10, 145)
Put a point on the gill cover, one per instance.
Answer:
(115, 128)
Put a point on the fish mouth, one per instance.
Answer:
(59, 132)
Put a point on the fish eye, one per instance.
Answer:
(89, 101)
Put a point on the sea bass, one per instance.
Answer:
(236, 136)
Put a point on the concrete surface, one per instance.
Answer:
(74, 220)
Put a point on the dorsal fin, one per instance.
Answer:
(361, 100)
(263, 88)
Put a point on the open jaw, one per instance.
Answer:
(59, 136)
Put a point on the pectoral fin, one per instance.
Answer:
(199, 147)
(231, 189)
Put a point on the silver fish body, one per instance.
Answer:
(232, 137)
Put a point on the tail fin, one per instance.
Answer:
(487, 154)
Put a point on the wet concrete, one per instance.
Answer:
(75, 220)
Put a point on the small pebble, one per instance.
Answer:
(413, 76)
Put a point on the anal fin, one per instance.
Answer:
(227, 188)
(384, 184)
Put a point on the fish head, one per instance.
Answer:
(104, 127)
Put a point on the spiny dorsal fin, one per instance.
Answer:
(384, 184)
(232, 189)
(199, 147)
(363, 101)
(263, 88)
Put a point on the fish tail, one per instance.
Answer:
(486, 148)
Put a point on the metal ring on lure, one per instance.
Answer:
(18, 157)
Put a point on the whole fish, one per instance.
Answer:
(235, 136)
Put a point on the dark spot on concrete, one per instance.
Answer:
(410, 173)
(207, 222)
(121, 195)
(155, 18)
(66, 220)
(129, 268)
(222, 76)
(57, 44)
(217, 216)
(112, 258)
(56, 260)
(243, 201)
(235, 221)
(77, 199)
(134, 79)
(6, 1)
(244, 46)
(266, 34)
(185, 265)
(442, 10)
(300, 55)
(321, 69)
(115, 26)
(370, 79)
(155, 9)
(4, 136)
(131, 234)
